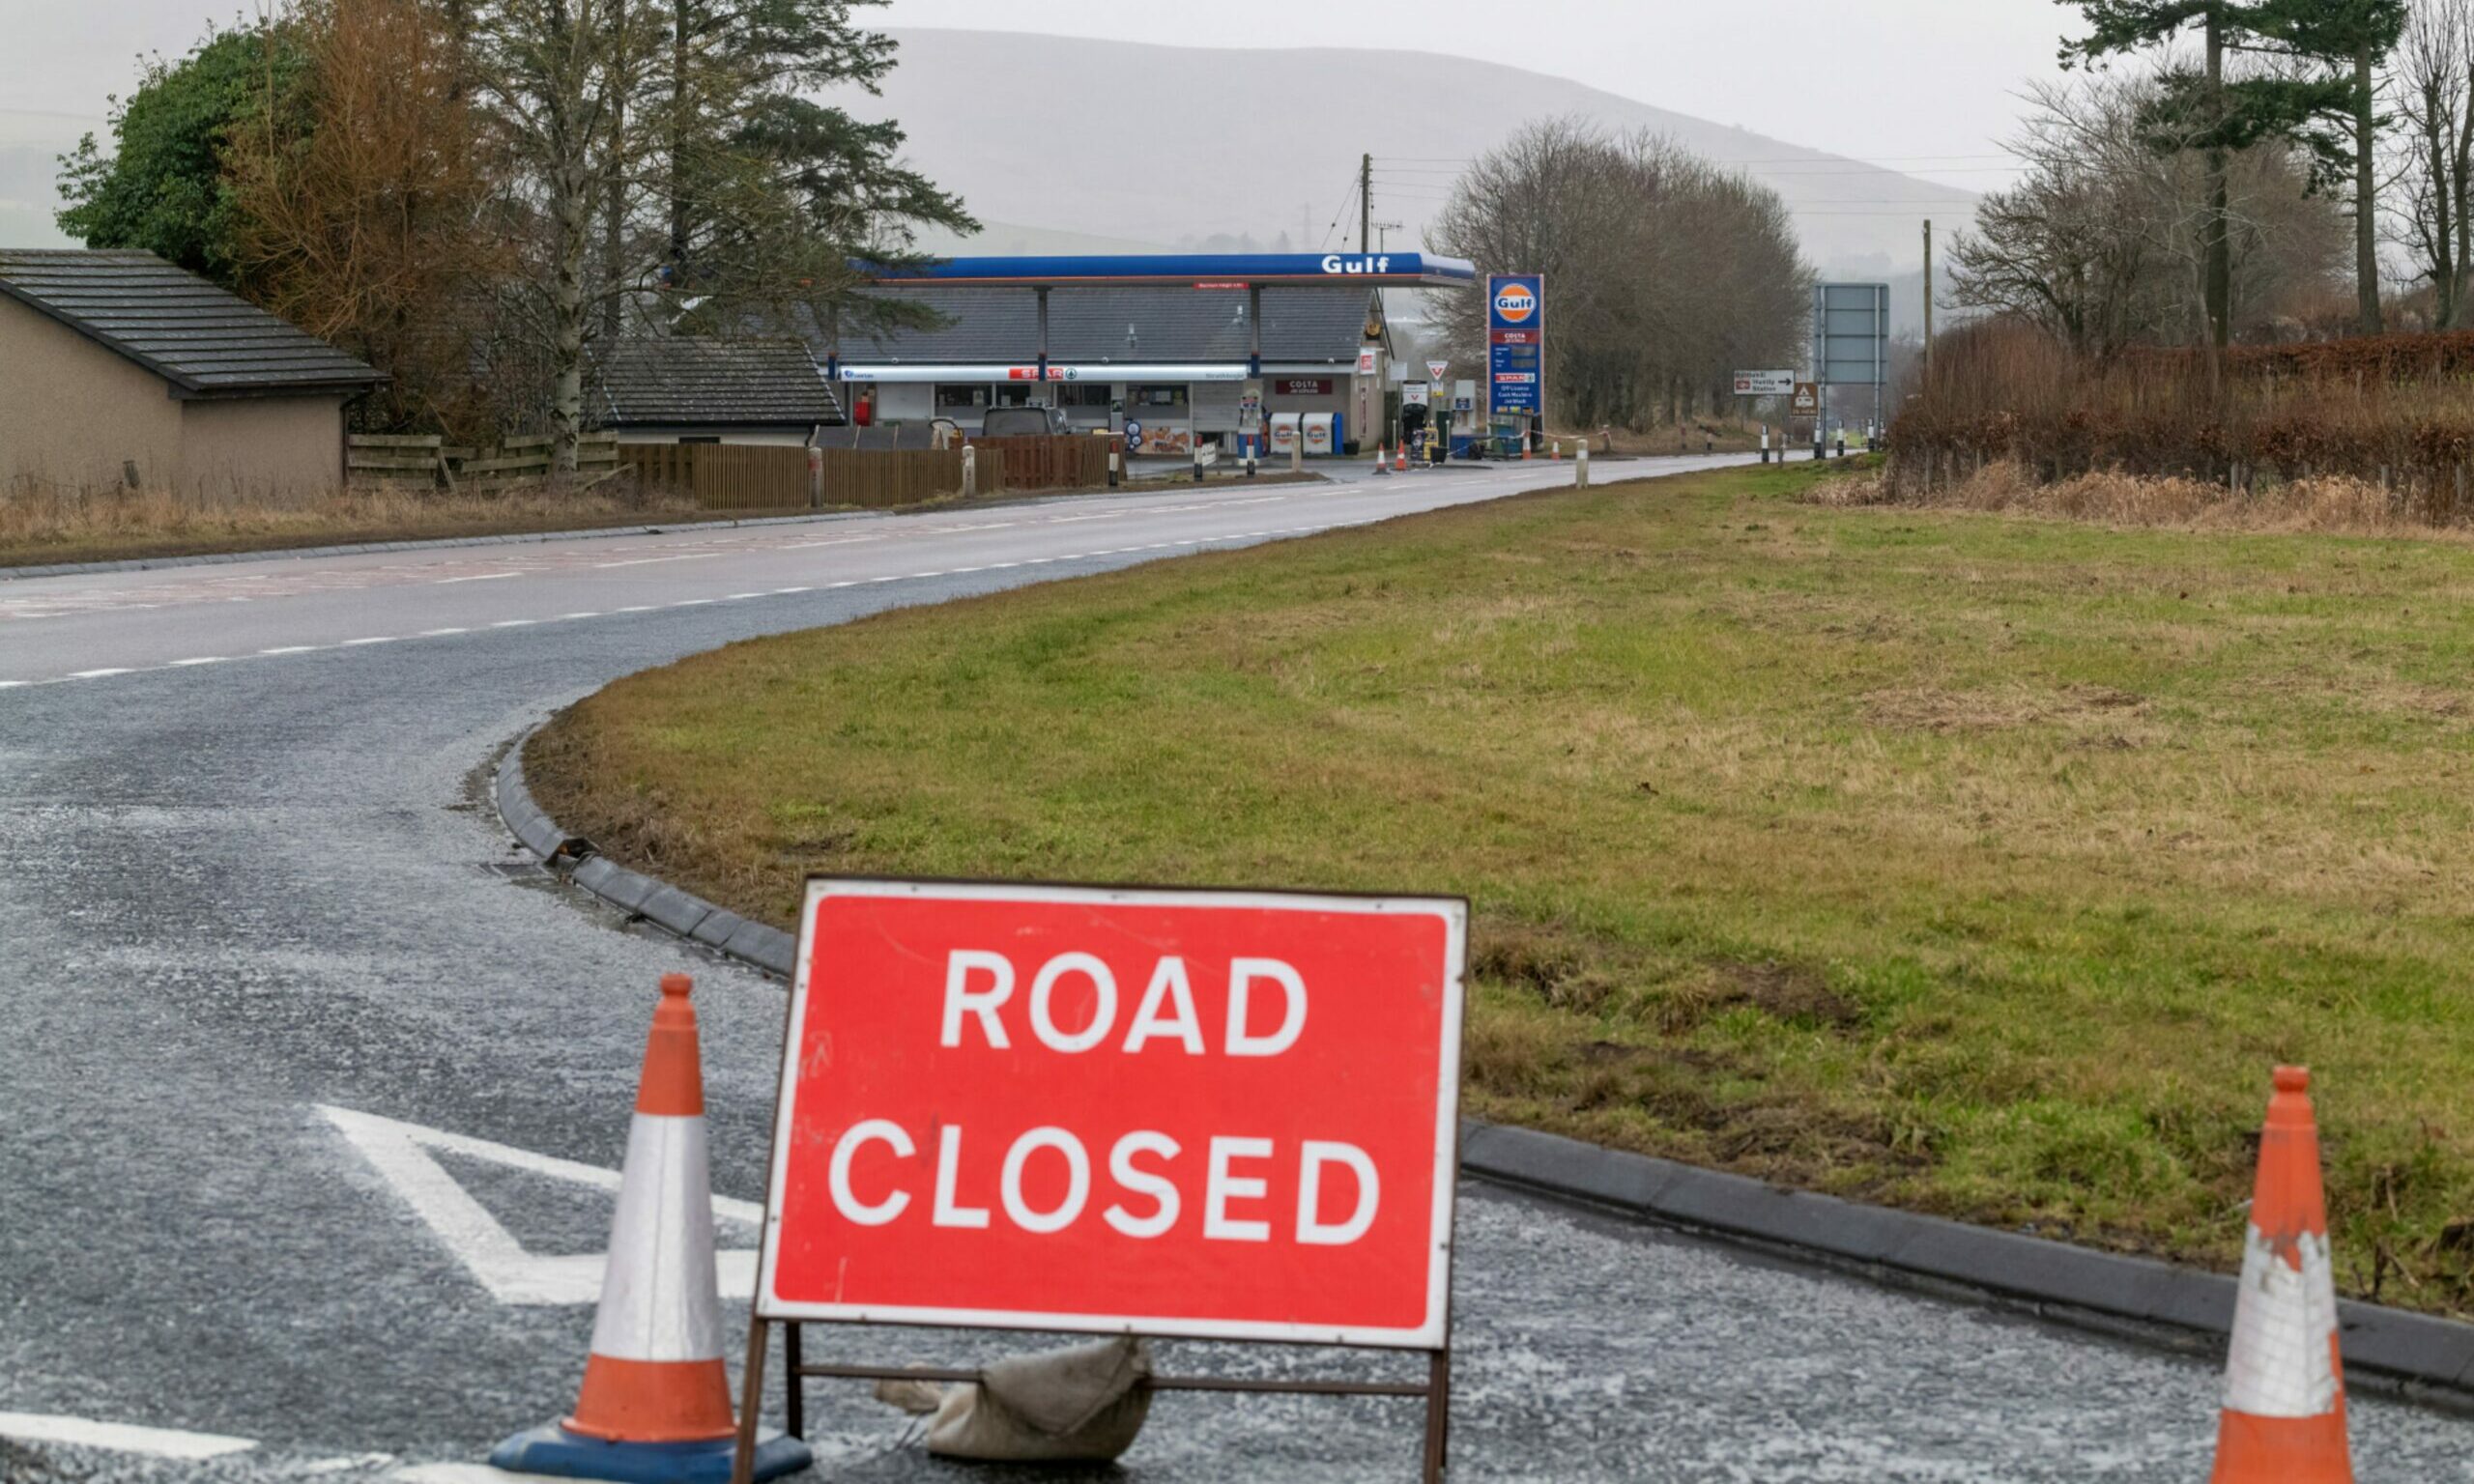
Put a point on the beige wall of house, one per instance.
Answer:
(72, 413)
(274, 451)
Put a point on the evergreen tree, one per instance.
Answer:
(2340, 44)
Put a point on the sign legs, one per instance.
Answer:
(1438, 1415)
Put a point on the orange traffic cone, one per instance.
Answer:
(1400, 456)
(2283, 1421)
(656, 1403)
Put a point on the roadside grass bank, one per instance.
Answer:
(38, 528)
(1980, 866)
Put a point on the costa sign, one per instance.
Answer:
(1200, 1113)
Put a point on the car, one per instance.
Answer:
(1023, 423)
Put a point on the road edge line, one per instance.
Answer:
(2416, 1358)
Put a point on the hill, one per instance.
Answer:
(1181, 145)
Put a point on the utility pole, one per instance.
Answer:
(1365, 204)
(1928, 294)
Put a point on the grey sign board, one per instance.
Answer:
(1851, 333)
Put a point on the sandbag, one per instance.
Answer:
(1086, 1404)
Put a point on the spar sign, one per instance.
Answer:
(1516, 342)
(1198, 1113)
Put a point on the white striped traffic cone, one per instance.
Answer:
(2283, 1418)
(656, 1403)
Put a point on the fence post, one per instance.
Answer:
(1580, 466)
(971, 471)
(815, 478)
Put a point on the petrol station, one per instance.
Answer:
(1173, 352)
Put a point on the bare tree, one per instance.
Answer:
(2434, 92)
(557, 78)
(363, 205)
(1665, 274)
(2109, 238)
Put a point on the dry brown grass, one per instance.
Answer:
(40, 524)
(2335, 504)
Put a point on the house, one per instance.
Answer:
(712, 389)
(119, 371)
(1168, 364)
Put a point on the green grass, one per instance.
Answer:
(1979, 865)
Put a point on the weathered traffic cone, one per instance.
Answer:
(1400, 453)
(2283, 1421)
(1382, 460)
(655, 1405)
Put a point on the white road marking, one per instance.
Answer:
(478, 576)
(515, 623)
(691, 601)
(375, 639)
(289, 650)
(400, 1153)
(564, 617)
(343, 1464)
(462, 1473)
(741, 597)
(95, 674)
(11, 685)
(639, 561)
(441, 633)
(118, 1436)
(634, 608)
(784, 592)
(203, 659)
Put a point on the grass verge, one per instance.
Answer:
(1973, 864)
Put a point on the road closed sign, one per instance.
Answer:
(1200, 1113)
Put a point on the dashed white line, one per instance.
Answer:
(95, 674)
(691, 601)
(374, 638)
(741, 597)
(565, 617)
(784, 592)
(118, 1436)
(634, 608)
(478, 576)
(289, 650)
(203, 659)
(441, 633)
(515, 623)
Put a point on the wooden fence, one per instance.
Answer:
(1071, 461)
(754, 476)
(430, 460)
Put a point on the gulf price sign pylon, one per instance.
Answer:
(1225, 1114)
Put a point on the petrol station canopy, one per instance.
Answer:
(1197, 270)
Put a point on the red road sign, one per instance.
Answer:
(1225, 1113)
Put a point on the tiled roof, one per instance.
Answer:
(700, 380)
(203, 340)
(1300, 325)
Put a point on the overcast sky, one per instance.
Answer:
(1926, 86)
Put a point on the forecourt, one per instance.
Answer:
(234, 892)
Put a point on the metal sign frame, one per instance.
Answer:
(1434, 1339)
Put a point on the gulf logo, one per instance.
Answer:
(1514, 303)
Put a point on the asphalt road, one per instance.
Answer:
(247, 875)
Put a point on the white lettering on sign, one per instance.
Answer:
(838, 1177)
(1166, 1011)
(1337, 262)
(1232, 1183)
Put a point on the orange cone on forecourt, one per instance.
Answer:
(1400, 453)
(655, 1404)
(2283, 1421)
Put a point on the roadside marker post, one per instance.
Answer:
(655, 1404)
(1580, 466)
(2283, 1418)
(1171, 1113)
